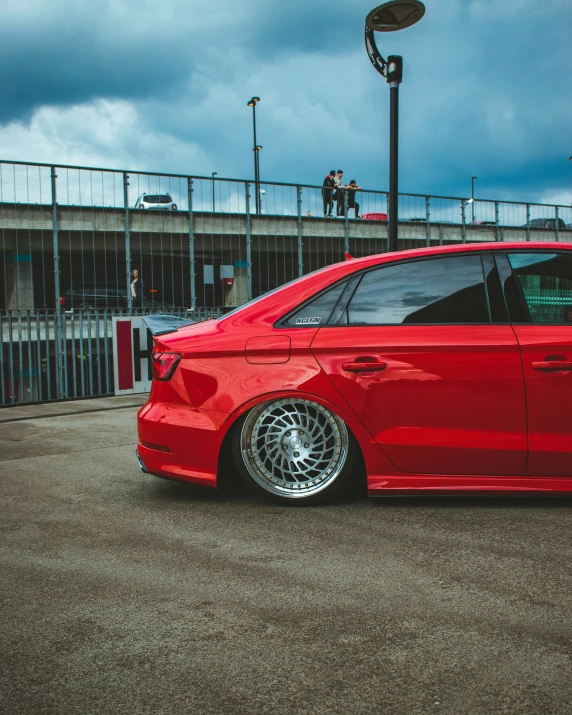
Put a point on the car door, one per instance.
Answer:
(416, 354)
(538, 286)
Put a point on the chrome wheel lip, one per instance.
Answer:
(333, 433)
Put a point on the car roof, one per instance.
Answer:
(271, 306)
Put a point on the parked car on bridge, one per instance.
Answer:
(156, 202)
(94, 297)
(441, 369)
(546, 223)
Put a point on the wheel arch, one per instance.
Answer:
(225, 460)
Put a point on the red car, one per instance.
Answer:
(438, 370)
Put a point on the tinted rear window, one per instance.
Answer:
(438, 290)
(157, 199)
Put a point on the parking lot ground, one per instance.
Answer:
(123, 593)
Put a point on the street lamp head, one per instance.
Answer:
(214, 173)
(253, 101)
(395, 15)
(474, 178)
(257, 148)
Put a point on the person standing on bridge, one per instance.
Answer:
(136, 289)
(328, 193)
(339, 181)
(352, 203)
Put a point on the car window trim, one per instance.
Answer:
(283, 321)
(345, 298)
(492, 272)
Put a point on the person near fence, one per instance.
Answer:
(136, 289)
(328, 193)
(339, 195)
(351, 188)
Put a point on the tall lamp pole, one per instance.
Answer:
(390, 17)
(213, 174)
(252, 103)
(473, 179)
(257, 150)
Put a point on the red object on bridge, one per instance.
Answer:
(374, 217)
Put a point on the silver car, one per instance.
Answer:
(157, 202)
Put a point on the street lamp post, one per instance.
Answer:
(473, 179)
(252, 103)
(390, 17)
(257, 150)
(214, 174)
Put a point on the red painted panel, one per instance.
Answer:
(124, 355)
(450, 399)
(548, 398)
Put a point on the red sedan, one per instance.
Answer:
(439, 370)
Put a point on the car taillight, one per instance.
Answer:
(141, 206)
(164, 365)
(174, 207)
(61, 301)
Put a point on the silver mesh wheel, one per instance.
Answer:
(293, 448)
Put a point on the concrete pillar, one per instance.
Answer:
(238, 293)
(19, 282)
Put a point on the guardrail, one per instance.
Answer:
(87, 187)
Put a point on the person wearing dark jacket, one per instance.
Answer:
(328, 193)
(352, 203)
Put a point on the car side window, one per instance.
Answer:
(438, 290)
(317, 311)
(546, 283)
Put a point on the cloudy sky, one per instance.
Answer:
(141, 84)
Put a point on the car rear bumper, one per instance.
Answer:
(178, 442)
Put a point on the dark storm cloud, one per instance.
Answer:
(487, 89)
(76, 53)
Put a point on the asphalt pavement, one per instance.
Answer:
(123, 593)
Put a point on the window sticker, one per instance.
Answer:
(308, 321)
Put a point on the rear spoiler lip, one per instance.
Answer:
(160, 324)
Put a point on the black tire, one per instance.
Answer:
(294, 451)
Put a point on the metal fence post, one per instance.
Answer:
(496, 220)
(463, 221)
(127, 240)
(59, 318)
(556, 226)
(192, 245)
(528, 222)
(427, 221)
(248, 240)
(346, 223)
(299, 212)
